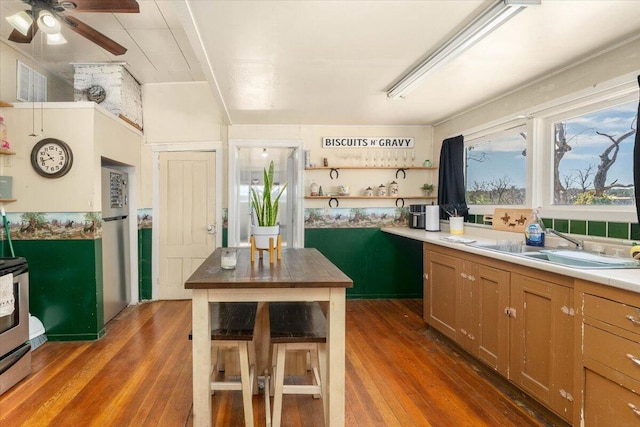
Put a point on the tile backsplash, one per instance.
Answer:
(614, 230)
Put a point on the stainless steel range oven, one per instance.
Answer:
(15, 351)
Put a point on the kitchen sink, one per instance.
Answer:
(565, 257)
(582, 259)
(507, 247)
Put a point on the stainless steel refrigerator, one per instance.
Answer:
(115, 242)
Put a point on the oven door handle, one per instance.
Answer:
(12, 358)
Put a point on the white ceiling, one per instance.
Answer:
(331, 62)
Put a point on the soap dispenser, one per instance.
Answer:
(534, 232)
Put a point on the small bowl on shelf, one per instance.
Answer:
(343, 194)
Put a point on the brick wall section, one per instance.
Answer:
(123, 92)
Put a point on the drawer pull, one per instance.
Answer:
(634, 408)
(633, 320)
(633, 359)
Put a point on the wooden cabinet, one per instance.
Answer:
(518, 321)
(491, 299)
(541, 348)
(442, 273)
(461, 295)
(608, 346)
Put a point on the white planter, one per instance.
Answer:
(262, 235)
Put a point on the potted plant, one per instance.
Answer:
(427, 189)
(265, 210)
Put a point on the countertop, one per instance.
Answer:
(298, 268)
(628, 279)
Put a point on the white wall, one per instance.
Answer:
(621, 64)
(180, 112)
(89, 130)
(58, 90)
(358, 180)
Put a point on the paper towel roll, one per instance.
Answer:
(432, 218)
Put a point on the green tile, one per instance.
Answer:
(577, 226)
(635, 232)
(597, 228)
(619, 230)
(548, 222)
(561, 225)
(472, 219)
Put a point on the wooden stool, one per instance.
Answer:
(297, 326)
(232, 327)
(278, 249)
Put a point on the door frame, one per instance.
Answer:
(215, 146)
(298, 200)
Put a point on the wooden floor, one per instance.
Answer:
(398, 374)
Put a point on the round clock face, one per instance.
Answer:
(51, 158)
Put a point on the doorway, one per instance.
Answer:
(187, 209)
(247, 161)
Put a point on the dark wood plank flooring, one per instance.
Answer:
(399, 373)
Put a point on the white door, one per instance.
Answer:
(187, 218)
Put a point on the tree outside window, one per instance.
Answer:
(496, 170)
(593, 157)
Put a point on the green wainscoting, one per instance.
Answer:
(65, 286)
(381, 265)
(144, 263)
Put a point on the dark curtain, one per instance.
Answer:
(636, 163)
(451, 194)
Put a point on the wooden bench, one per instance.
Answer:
(232, 327)
(297, 326)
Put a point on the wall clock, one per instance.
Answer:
(51, 158)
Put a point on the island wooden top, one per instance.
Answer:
(298, 268)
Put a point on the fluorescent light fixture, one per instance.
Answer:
(21, 21)
(54, 39)
(485, 23)
(48, 23)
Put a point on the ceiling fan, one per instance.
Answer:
(49, 16)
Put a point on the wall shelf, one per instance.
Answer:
(371, 167)
(371, 197)
(5, 104)
(5, 152)
(399, 200)
(8, 200)
(398, 169)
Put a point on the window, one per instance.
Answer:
(592, 158)
(32, 86)
(496, 168)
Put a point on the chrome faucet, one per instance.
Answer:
(579, 243)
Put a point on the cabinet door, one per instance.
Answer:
(541, 342)
(467, 320)
(443, 275)
(492, 298)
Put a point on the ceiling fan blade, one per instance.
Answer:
(108, 6)
(94, 35)
(18, 37)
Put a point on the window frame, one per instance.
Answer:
(539, 127)
(543, 193)
(507, 128)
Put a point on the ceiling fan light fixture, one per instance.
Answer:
(21, 21)
(48, 23)
(55, 39)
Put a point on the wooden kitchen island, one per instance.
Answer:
(301, 275)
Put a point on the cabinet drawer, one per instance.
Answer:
(614, 313)
(609, 404)
(613, 351)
